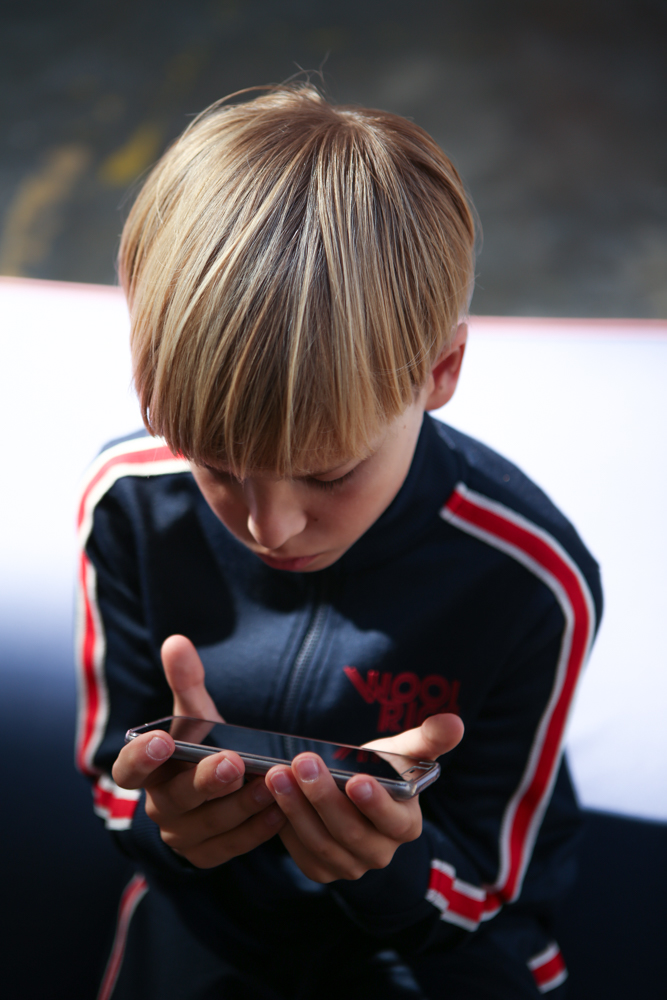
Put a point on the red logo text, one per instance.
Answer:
(405, 699)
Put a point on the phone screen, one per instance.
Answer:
(283, 749)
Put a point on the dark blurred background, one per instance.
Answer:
(554, 111)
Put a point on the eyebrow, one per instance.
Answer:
(306, 475)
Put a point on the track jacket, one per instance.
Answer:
(470, 594)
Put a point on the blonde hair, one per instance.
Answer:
(293, 270)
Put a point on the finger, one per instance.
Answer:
(214, 777)
(437, 735)
(367, 822)
(138, 761)
(246, 837)
(332, 854)
(302, 815)
(337, 812)
(400, 822)
(216, 817)
(185, 675)
(310, 865)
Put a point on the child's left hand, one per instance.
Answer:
(341, 835)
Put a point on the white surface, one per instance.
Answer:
(582, 411)
(64, 391)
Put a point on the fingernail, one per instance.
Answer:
(361, 791)
(226, 771)
(261, 793)
(158, 749)
(281, 782)
(308, 769)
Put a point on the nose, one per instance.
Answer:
(274, 512)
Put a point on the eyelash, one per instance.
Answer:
(220, 477)
(332, 484)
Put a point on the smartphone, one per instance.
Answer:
(260, 750)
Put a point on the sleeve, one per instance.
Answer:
(120, 673)
(494, 831)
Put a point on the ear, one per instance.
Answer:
(445, 374)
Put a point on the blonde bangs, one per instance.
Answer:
(293, 270)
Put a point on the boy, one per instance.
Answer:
(307, 552)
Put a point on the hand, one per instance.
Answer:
(205, 812)
(341, 835)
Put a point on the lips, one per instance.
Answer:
(289, 564)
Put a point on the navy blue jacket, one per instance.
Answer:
(471, 594)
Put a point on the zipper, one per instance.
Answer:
(303, 659)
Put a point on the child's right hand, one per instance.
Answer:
(205, 812)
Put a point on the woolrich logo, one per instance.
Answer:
(405, 699)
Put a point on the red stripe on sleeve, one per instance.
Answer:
(113, 806)
(90, 693)
(548, 968)
(132, 896)
(532, 546)
(466, 905)
(160, 453)
(90, 652)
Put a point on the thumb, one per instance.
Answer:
(185, 675)
(437, 735)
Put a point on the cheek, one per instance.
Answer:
(233, 512)
(354, 513)
(228, 508)
(373, 498)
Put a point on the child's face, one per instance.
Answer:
(307, 523)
